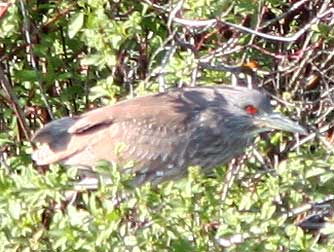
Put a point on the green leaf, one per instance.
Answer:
(315, 172)
(26, 75)
(76, 24)
(91, 59)
(267, 211)
(14, 209)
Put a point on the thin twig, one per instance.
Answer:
(214, 22)
(294, 7)
(14, 103)
(32, 57)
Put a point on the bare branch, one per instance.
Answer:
(14, 103)
(32, 57)
(213, 22)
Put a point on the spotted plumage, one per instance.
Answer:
(164, 133)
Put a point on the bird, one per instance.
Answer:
(163, 134)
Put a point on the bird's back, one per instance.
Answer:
(162, 134)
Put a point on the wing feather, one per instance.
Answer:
(135, 122)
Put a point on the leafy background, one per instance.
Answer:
(61, 58)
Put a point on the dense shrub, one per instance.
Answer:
(60, 58)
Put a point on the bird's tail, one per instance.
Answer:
(52, 140)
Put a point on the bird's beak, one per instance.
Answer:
(279, 122)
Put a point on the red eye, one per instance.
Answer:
(251, 110)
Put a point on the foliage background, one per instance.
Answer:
(60, 58)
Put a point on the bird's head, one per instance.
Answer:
(251, 112)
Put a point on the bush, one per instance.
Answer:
(60, 58)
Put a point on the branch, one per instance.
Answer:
(214, 22)
(14, 103)
(32, 57)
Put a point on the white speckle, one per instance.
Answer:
(144, 170)
(181, 162)
(273, 103)
(170, 166)
(153, 141)
(139, 153)
(150, 126)
(159, 173)
(134, 120)
(153, 156)
(124, 124)
(132, 150)
(164, 157)
(144, 154)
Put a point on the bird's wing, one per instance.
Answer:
(136, 122)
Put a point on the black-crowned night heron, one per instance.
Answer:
(163, 133)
